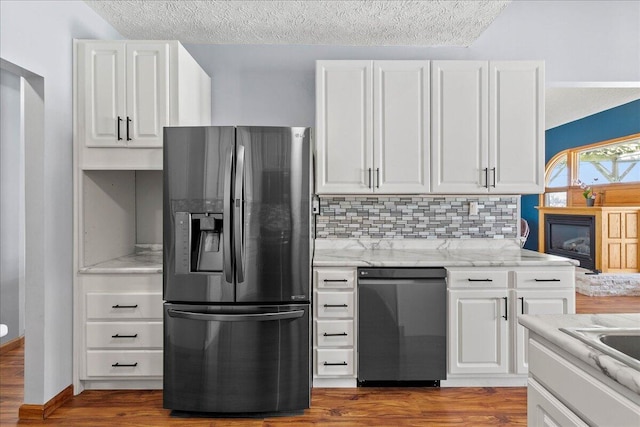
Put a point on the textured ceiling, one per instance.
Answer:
(564, 105)
(355, 22)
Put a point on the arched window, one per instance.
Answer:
(611, 169)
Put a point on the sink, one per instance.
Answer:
(627, 344)
(622, 344)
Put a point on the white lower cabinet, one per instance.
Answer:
(334, 327)
(485, 340)
(565, 391)
(478, 341)
(120, 339)
(544, 410)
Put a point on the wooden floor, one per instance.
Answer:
(489, 406)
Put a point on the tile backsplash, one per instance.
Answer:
(408, 217)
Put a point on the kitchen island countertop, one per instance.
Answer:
(548, 327)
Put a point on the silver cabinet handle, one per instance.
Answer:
(335, 364)
(494, 177)
(377, 177)
(486, 177)
(340, 334)
(251, 317)
(370, 179)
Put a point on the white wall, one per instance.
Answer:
(11, 207)
(37, 36)
(595, 41)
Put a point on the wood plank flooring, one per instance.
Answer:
(490, 406)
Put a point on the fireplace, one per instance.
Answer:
(571, 236)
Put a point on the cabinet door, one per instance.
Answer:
(537, 302)
(516, 131)
(401, 126)
(459, 133)
(147, 93)
(478, 332)
(344, 127)
(101, 91)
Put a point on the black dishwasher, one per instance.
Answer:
(402, 326)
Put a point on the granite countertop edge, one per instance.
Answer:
(548, 327)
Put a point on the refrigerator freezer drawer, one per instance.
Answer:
(124, 363)
(237, 359)
(124, 306)
(124, 335)
(334, 362)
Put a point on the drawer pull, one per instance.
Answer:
(335, 280)
(341, 334)
(124, 336)
(335, 305)
(124, 306)
(547, 280)
(480, 280)
(124, 365)
(335, 364)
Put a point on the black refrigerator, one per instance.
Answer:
(237, 269)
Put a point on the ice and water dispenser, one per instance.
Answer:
(199, 240)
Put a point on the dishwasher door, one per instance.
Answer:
(402, 331)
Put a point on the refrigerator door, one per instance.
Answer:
(272, 214)
(236, 359)
(198, 186)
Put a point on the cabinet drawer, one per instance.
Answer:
(334, 333)
(334, 304)
(545, 278)
(124, 306)
(477, 278)
(124, 334)
(124, 363)
(335, 278)
(334, 362)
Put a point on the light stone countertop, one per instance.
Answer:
(429, 253)
(147, 259)
(548, 327)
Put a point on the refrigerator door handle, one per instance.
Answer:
(252, 317)
(238, 215)
(226, 222)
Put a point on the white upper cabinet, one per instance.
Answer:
(401, 126)
(125, 86)
(459, 119)
(487, 127)
(344, 126)
(516, 131)
(147, 93)
(372, 131)
(127, 91)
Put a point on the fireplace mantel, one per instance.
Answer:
(616, 233)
